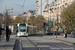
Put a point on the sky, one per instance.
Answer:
(9, 4)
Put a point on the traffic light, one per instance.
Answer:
(44, 24)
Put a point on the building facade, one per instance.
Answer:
(40, 6)
(31, 13)
(56, 8)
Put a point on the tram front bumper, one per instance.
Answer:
(22, 34)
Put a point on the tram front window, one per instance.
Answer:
(22, 28)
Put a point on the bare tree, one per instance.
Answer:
(7, 19)
(1, 18)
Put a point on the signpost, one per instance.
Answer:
(74, 27)
(50, 24)
(47, 27)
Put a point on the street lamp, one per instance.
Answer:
(48, 10)
(57, 22)
(6, 14)
(24, 14)
(57, 26)
(9, 9)
(74, 27)
(35, 12)
(49, 17)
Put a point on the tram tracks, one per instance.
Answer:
(34, 44)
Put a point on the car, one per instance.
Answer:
(69, 31)
(57, 33)
(50, 32)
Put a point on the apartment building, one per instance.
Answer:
(40, 6)
(57, 7)
(31, 13)
(60, 5)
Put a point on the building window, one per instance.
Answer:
(43, 11)
(56, 4)
(55, 0)
(55, 8)
(52, 8)
(65, 3)
(58, 7)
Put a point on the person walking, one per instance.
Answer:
(65, 32)
(7, 33)
(0, 32)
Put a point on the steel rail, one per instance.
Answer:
(34, 44)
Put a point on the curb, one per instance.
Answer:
(18, 45)
(66, 42)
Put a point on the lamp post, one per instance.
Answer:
(48, 20)
(57, 23)
(49, 17)
(74, 27)
(34, 13)
(24, 14)
(41, 7)
(57, 26)
(6, 15)
(50, 14)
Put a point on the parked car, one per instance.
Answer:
(69, 32)
(57, 33)
(52, 32)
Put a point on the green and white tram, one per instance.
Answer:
(24, 29)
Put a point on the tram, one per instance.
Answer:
(24, 29)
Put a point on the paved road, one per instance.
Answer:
(43, 43)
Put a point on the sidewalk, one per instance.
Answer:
(7, 45)
(70, 40)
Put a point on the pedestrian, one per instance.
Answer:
(65, 32)
(7, 33)
(0, 32)
(72, 32)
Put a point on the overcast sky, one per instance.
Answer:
(28, 5)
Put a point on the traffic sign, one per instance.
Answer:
(50, 23)
(46, 27)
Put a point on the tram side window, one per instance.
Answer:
(27, 29)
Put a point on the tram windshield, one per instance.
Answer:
(22, 28)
